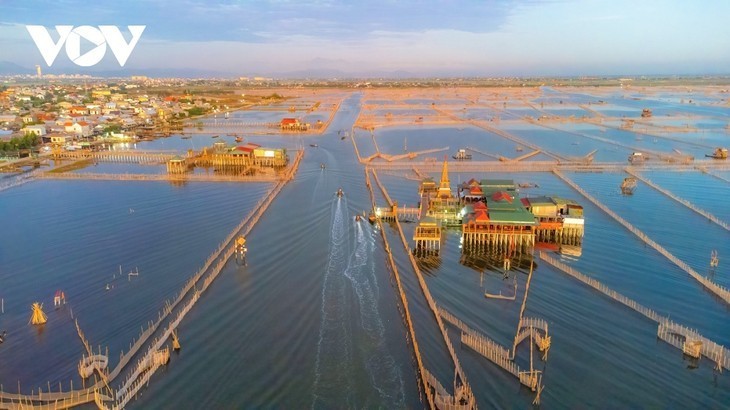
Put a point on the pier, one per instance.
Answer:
(713, 287)
(152, 359)
(463, 393)
(423, 375)
(675, 334)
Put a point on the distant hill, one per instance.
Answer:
(8, 68)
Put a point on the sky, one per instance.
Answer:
(378, 37)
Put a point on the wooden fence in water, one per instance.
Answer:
(682, 201)
(668, 331)
(720, 291)
(133, 381)
(465, 389)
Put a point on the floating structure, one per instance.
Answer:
(646, 113)
(438, 201)
(340, 194)
(427, 237)
(240, 249)
(628, 186)
(559, 220)
(714, 260)
(490, 214)
(637, 158)
(322, 165)
(37, 317)
(461, 155)
(293, 124)
(59, 299)
(720, 153)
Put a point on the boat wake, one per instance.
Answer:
(384, 374)
(333, 384)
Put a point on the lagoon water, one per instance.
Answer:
(313, 319)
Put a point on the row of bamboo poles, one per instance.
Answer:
(422, 372)
(714, 351)
(158, 177)
(243, 228)
(713, 287)
(88, 394)
(468, 395)
(682, 201)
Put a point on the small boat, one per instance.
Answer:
(372, 218)
(637, 158)
(342, 138)
(720, 153)
(461, 155)
(59, 299)
(313, 145)
(215, 136)
(321, 165)
(186, 137)
(340, 193)
(357, 218)
(2, 337)
(107, 287)
(239, 139)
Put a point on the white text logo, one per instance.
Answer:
(99, 37)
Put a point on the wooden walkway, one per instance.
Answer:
(464, 389)
(713, 287)
(669, 331)
(129, 157)
(406, 312)
(157, 177)
(142, 371)
(647, 181)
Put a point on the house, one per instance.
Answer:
(38, 130)
(80, 128)
(79, 110)
(60, 139)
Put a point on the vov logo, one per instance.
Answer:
(71, 36)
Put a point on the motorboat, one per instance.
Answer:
(321, 165)
(357, 218)
(313, 145)
(340, 193)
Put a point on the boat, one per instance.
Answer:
(2, 337)
(720, 153)
(239, 139)
(372, 218)
(461, 155)
(186, 137)
(321, 165)
(518, 149)
(342, 138)
(313, 145)
(357, 218)
(340, 193)
(215, 136)
(59, 299)
(107, 287)
(637, 158)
